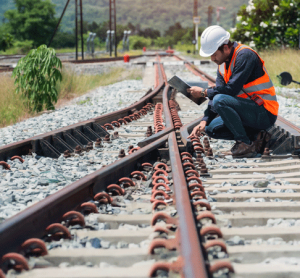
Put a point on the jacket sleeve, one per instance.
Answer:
(219, 82)
(209, 113)
(244, 65)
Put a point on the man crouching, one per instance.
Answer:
(243, 103)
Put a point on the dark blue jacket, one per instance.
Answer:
(248, 67)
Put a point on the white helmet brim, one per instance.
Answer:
(203, 54)
(216, 45)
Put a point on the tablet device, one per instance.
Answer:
(182, 87)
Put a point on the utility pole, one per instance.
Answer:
(113, 25)
(195, 7)
(76, 29)
(209, 15)
(196, 20)
(196, 25)
(81, 28)
(78, 5)
(56, 28)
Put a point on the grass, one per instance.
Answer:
(277, 61)
(73, 85)
(13, 107)
(183, 48)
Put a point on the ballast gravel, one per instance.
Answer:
(21, 187)
(237, 240)
(289, 109)
(98, 102)
(38, 177)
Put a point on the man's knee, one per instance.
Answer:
(209, 131)
(219, 100)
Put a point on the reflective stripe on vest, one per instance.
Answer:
(262, 86)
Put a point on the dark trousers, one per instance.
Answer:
(239, 119)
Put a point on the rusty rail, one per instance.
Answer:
(23, 147)
(36, 218)
(194, 264)
(292, 131)
(203, 75)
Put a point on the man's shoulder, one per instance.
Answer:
(247, 53)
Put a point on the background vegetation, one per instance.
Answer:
(13, 107)
(33, 21)
(266, 24)
(36, 76)
(269, 26)
(156, 14)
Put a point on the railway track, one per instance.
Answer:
(7, 61)
(254, 202)
(153, 212)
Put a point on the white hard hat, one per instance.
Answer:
(212, 38)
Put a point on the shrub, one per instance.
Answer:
(137, 42)
(268, 24)
(63, 40)
(6, 41)
(23, 47)
(164, 42)
(36, 77)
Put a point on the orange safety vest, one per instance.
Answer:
(262, 86)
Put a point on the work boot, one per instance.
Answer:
(262, 140)
(244, 150)
(231, 150)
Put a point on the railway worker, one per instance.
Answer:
(243, 103)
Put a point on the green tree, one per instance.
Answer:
(149, 33)
(36, 76)
(32, 20)
(6, 40)
(269, 24)
(137, 42)
(63, 40)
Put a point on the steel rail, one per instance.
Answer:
(36, 218)
(185, 131)
(78, 191)
(32, 221)
(289, 127)
(166, 97)
(167, 113)
(7, 69)
(168, 118)
(197, 70)
(23, 147)
(155, 137)
(87, 61)
(194, 263)
(103, 60)
(161, 76)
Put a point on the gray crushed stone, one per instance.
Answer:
(38, 177)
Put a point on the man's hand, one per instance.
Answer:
(195, 91)
(198, 129)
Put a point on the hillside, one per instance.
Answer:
(156, 14)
